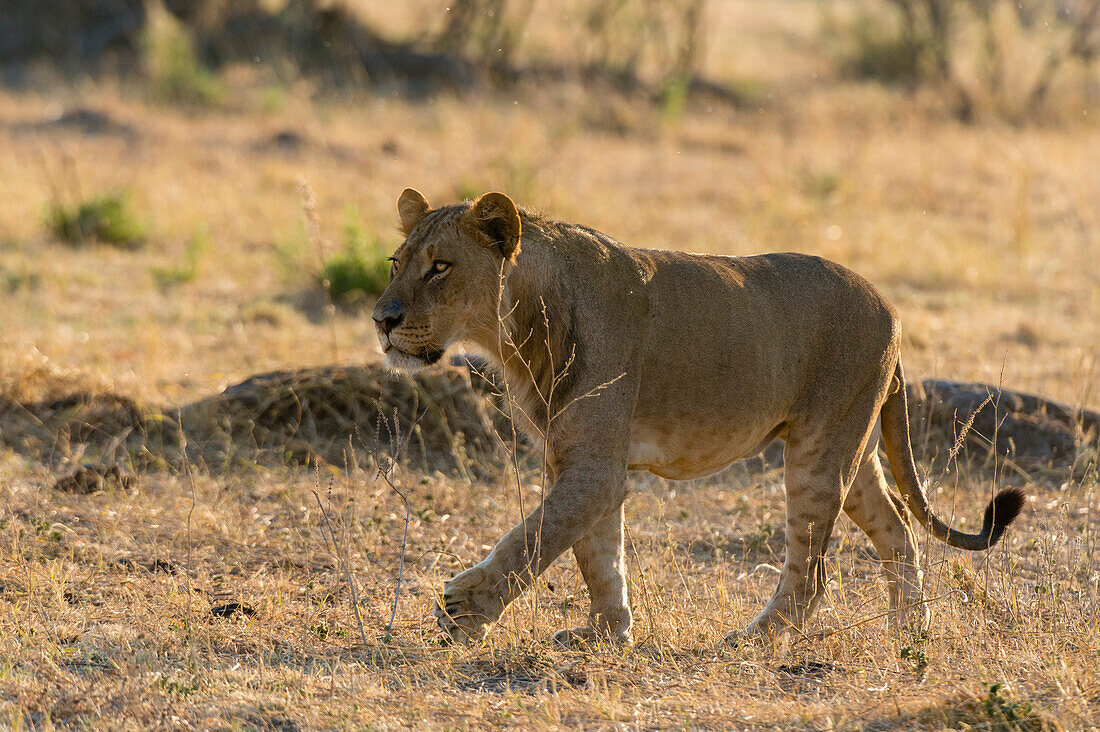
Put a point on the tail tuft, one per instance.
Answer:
(1001, 511)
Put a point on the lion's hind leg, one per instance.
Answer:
(601, 558)
(813, 505)
(820, 462)
(873, 510)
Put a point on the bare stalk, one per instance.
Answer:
(509, 399)
(309, 206)
(404, 544)
(336, 552)
(385, 474)
(190, 513)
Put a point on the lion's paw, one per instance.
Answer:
(760, 632)
(468, 606)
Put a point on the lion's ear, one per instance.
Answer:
(496, 216)
(411, 206)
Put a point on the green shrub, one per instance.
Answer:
(995, 711)
(468, 189)
(175, 75)
(360, 269)
(106, 219)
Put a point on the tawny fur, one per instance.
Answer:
(626, 359)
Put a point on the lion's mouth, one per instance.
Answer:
(427, 357)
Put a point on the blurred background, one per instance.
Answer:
(192, 191)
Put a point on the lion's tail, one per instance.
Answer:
(1000, 512)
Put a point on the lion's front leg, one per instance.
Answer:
(477, 597)
(602, 561)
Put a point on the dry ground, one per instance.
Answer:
(986, 237)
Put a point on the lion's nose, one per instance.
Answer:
(389, 315)
(388, 324)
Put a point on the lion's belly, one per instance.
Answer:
(691, 451)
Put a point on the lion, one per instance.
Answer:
(621, 359)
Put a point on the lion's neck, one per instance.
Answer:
(534, 339)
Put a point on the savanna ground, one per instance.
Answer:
(985, 235)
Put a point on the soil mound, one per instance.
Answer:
(445, 420)
(341, 416)
(1033, 432)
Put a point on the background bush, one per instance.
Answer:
(107, 219)
(360, 269)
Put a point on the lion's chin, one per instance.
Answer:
(401, 361)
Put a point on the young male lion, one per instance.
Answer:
(677, 364)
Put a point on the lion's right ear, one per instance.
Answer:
(497, 218)
(411, 206)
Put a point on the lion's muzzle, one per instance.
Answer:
(388, 314)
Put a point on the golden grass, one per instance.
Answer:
(106, 618)
(986, 238)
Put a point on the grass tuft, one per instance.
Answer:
(107, 219)
(359, 270)
(995, 711)
(673, 98)
(175, 75)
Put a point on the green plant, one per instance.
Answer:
(12, 282)
(469, 189)
(106, 219)
(1002, 709)
(916, 656)
(197, 246)
(360, 269)
(44, 529)
(175, 686)
(759, 540)
(821, 184)
(673, 98)
(273, 98)
(174, 72)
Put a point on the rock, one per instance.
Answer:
(1026, 427)
(93, 478)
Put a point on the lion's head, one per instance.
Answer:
(445, 275)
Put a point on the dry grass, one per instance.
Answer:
(107, 604)
(986, 237)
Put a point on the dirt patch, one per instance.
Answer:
(518, 673)
(1046, 440)
(431, 420)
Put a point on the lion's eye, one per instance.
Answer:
(393, 268)
(438, 269)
